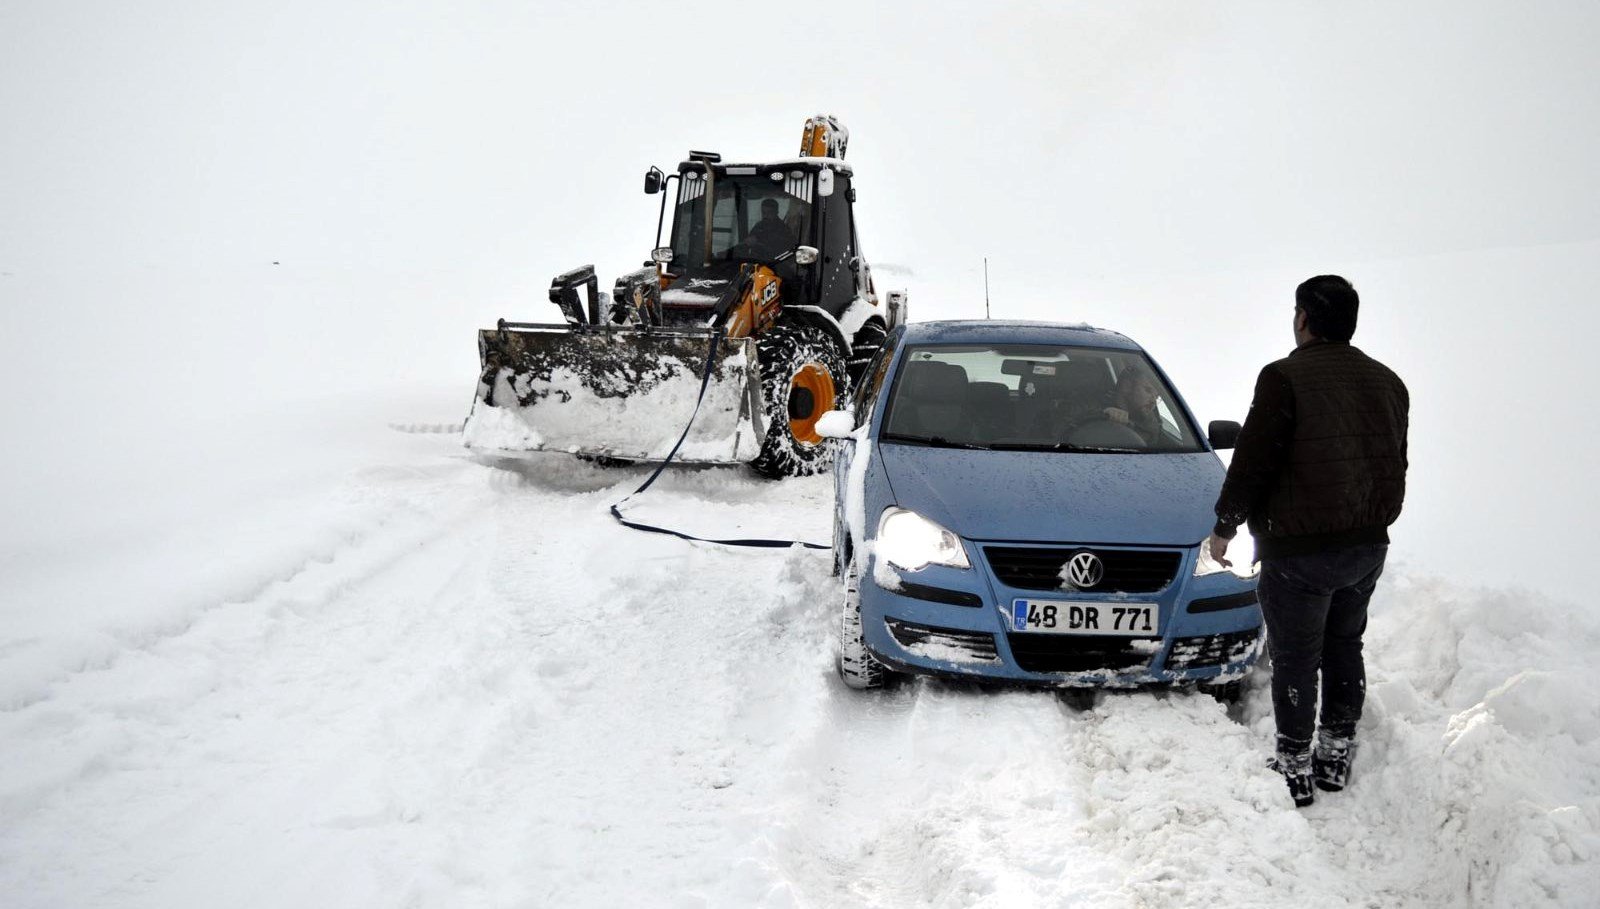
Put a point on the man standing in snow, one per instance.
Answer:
(1319, 472)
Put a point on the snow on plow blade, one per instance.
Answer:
(614, 392)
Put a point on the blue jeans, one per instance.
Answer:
(1315, 607)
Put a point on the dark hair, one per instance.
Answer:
(1330, 303)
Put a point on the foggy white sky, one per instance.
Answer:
(1168, 169)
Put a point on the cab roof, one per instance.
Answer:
(1010, 331)
(809, 164)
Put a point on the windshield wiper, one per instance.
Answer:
(1064, 446)
(933, 441)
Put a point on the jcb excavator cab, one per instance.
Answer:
(764, 257)
(792, 217)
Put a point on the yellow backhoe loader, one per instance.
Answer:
(762, 265)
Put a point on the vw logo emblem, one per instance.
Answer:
(1084, 570)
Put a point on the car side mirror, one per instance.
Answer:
(652, 181)
(1223, 434)
(836, 424)
(805, 255)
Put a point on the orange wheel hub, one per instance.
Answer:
(810, 396)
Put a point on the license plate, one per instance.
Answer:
(1067, 617)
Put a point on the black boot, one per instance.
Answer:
(1330, 762)
(1296, 770)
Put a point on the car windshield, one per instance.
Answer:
(755, 218)
(1035, 397)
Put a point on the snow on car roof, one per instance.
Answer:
(1015, 331)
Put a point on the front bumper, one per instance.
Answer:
(955, 622)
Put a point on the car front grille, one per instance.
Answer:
(944, 643)
(1078, 653)
(1126, 570)
(1212, 649)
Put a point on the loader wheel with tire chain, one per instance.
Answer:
(803, 376)
(868, 341)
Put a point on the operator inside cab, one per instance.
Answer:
(770, 237)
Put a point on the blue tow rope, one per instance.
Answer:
(616, 509)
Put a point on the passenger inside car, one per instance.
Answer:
(1134, 405)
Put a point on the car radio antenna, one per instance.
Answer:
(986, 287)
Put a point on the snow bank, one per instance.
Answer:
(1477, 785)
(1483, 734)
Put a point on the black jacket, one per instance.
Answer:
(1321, 461)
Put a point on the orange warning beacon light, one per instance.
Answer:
(824, 137)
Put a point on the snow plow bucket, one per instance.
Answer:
(614, 392)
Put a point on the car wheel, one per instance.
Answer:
(857, 666)
(1226, 692)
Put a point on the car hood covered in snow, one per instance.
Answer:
(1149, 499)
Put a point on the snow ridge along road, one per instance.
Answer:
(464, 685)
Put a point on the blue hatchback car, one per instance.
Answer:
(1026, 502)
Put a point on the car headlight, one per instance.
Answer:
(910, 541)
(1241, 552)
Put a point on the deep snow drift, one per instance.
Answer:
(416, 679)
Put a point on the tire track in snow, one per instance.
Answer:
(374, 519)
(665, 661)
(195, 722)
(932, 795)
(502, 698)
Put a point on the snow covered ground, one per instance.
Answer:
(257, 647)
(407, 678)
